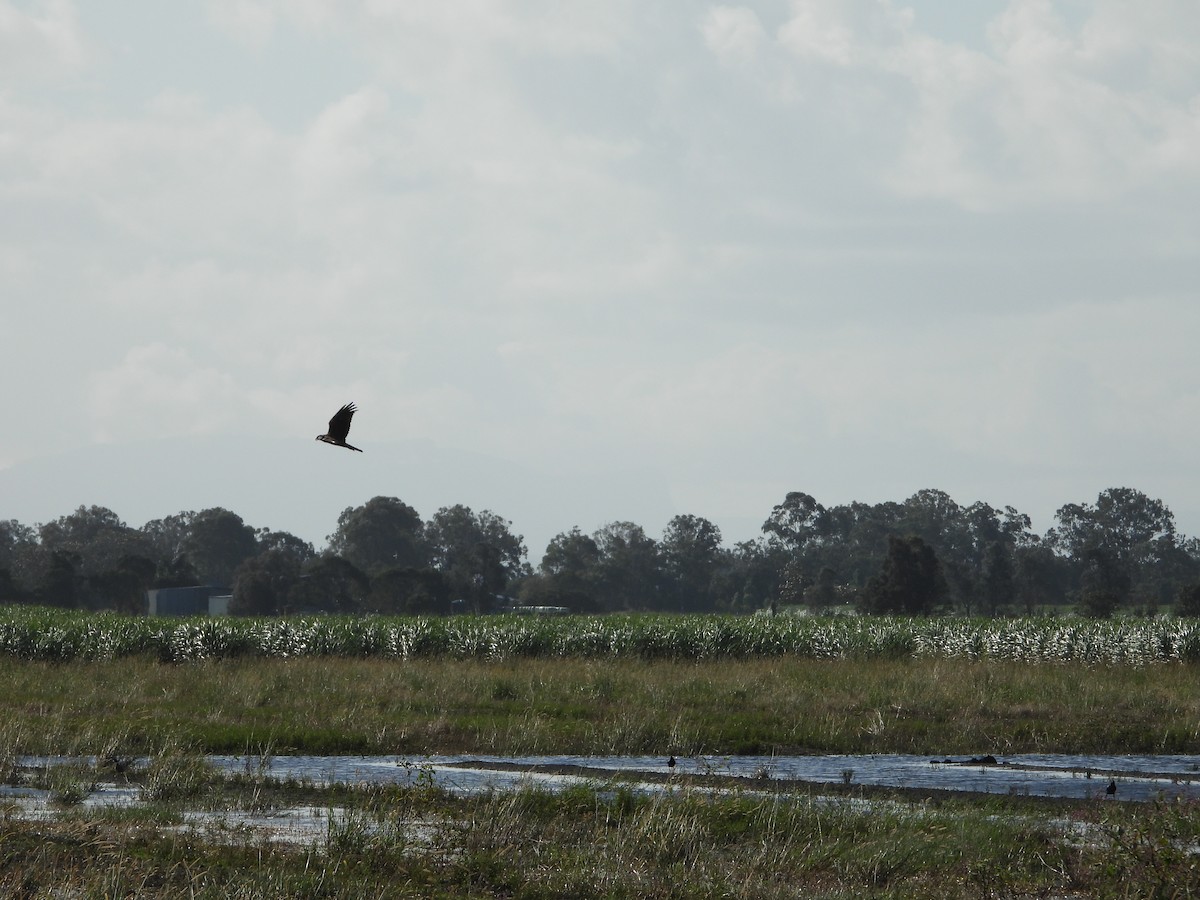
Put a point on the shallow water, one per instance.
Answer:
(1041, 775)
(1139, 778)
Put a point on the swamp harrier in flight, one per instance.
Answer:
(339, 427)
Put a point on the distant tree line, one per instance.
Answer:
(926, 555)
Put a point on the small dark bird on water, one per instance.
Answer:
(671, 762)
(120, 764)
(1111, 790)
(339, 427)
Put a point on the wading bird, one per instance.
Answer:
(339, 427)
(1111, 790)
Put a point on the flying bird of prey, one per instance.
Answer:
(339, 427)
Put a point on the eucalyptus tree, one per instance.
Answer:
(1124, 546)
(383, 533)
(96, 537)
(18, 545)
(286, 542)
(910, 582)
(568, 575)
(408, 592)
(629, 569)
(262, 584)
(690, 551)
(477, 553)
(750, 575)
(217, 542)
(330, 583)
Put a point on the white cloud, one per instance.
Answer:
(734, 33)
(844, 32)
(1030, 34)
(249, 21)
(172, 181)
(42, 42)
(1040, 116)
(346, 147)
(755, 239)
(158, 391)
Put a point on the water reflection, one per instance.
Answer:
(1138, 777)
(1041, 775)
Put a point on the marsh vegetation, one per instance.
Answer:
(602, 839)
(599, 707)
(105, 689)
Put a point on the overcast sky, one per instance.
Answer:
(855, 248)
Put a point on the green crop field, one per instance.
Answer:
(38, 633)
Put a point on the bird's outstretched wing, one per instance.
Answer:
(339, 425)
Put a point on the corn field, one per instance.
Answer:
(55, 635)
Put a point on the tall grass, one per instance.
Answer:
(55, 635)
(607, 840)
(323, 705)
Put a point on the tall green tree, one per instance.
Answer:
(857, 541)
(123, 587)
(18, 543)
(285, 542)
(477, 553)
(629, 572)
(262, 584)
(568, 574)
(168, 535)
(690, 551)
(61, 584)
(824, 591)
(217, 542)
(798, 521)
(78, 528)
(1041, 577)
(998, 584)
(168, 539)
(935, 518)
(97, 536)
(571, 553)
(383, 533)
(332, 584)
(1124, 545)
(750, 575)
(13, 536)
(1104, 583)
(909, 583)
(408, 592)
(1187, 603)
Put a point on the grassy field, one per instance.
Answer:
(537, 706)
(881, 691)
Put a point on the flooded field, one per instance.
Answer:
(430, 817)
(567, 760)
(1137, 778)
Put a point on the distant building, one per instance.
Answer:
(196, 600)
